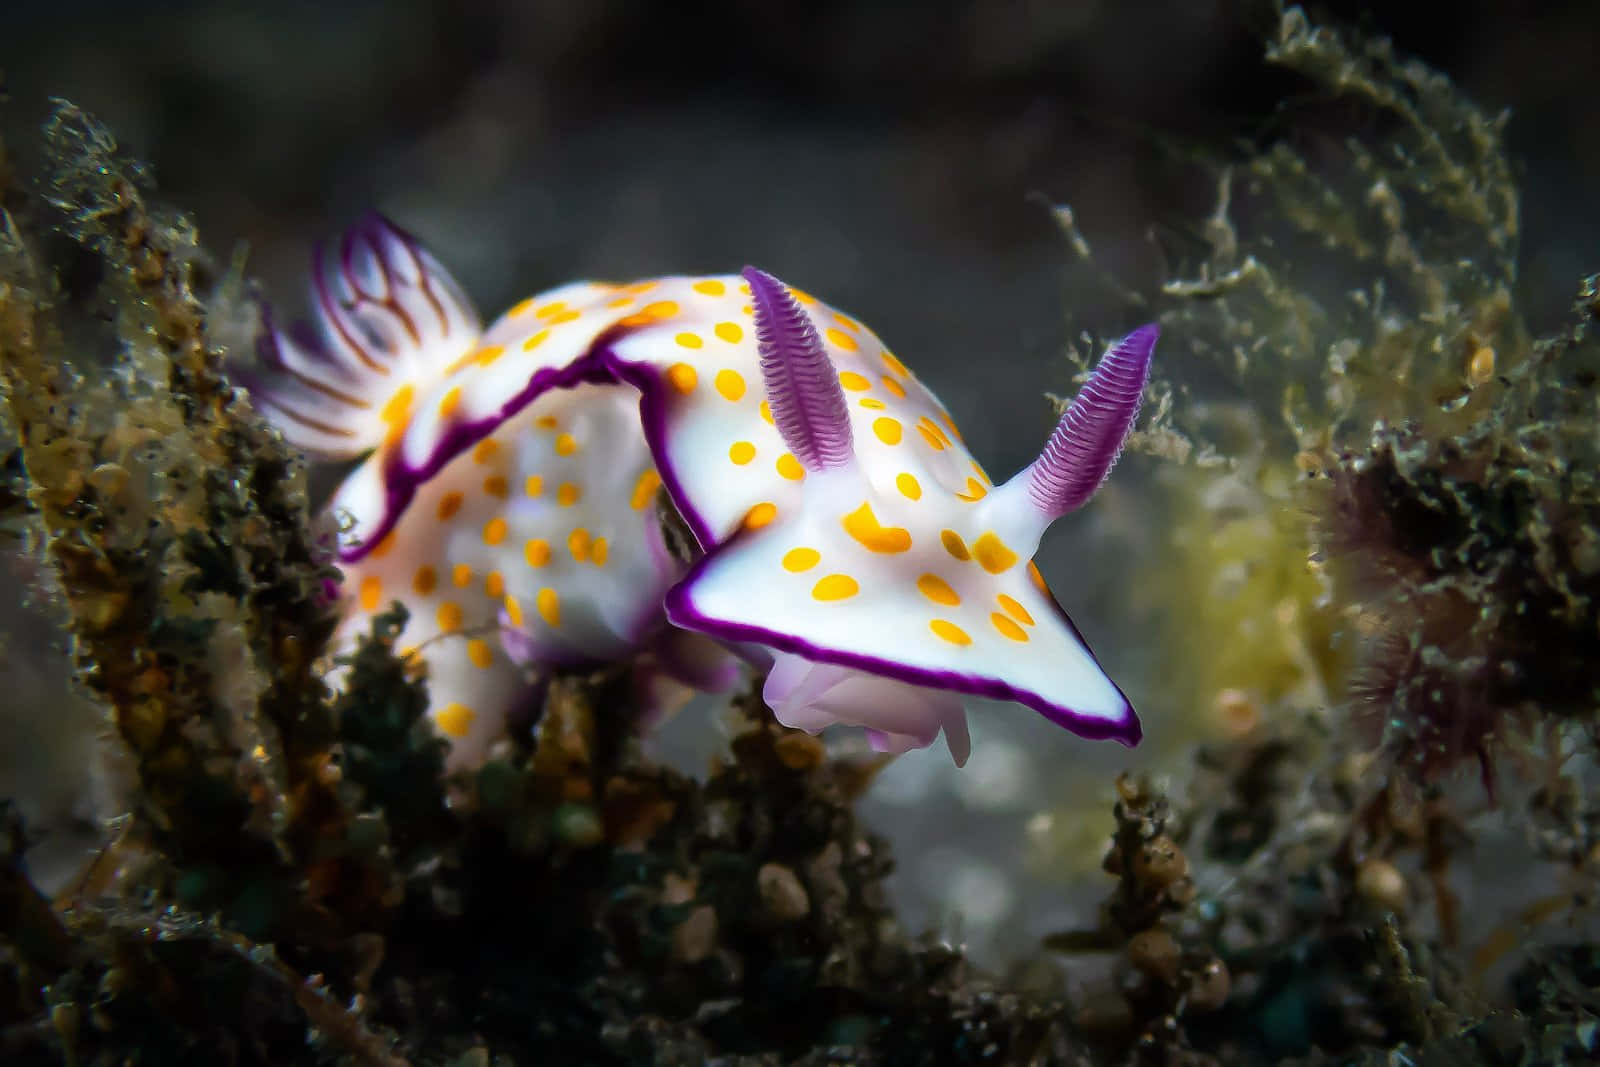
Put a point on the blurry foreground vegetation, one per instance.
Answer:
(294, 883)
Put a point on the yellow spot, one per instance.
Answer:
(454, 720)
(887, 429)
(937, 590)
(1480, 368)
(1014, 609)
(536, 552)
(801, 559)
(450, 402)
(766, 413)
(975, 491)
(555, 308)
(760, 515)
(954, 545)
(683, 377)
(495, 485)
(534, 486)
(382, 548)
(689, 340)
(742, 452)
(567, 494)
(600, 552)
(930, 433)
(644, 490)
(949, 631)
(449, 504)
(398, 406)
(993, 554)
(371, 592)
(908, 485)
(514, 611)
(494, 585)
(478, 652)
(523, 308)
(730, 332)
(565, 316)
(790, 467)
(842, 339)
(449, 617)
(730, 383)
(566, 444)
(862, 525)
(872, 403)
(549, 606)
(895, 365)
(494, 531)
(1037, 579)
(982, 477)
(545, 422)
(536, 340)
(710, 287)
(424, 580)
(846, 321)
(803, 296)
(854, 382)
(944, 416)
(835, 587)
(894, 387)
(1007, 627)
(460, 575)
(485, 450)
(661, 309)
(579, 543)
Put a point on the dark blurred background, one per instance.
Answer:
(898, 159)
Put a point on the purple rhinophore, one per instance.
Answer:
(1089, 437)
(808, 406)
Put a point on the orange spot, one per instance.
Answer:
(872, 403)
(801, 559)
(803, 296)
(449, 504)
(949, 631)
(766, 413)
(954, 545)
(842, 339)
(862, 525)
(1037, 579)
(982, 477)
(908, 485)
(545, 422)
(383, 547)
(454, 720)
(683, 377)
(949, 423)
(554, 308)
(494, 585)
(835, 587)
(600, 552)
(661, 309)
(485, 450)
(887, 429)
(566, 444)
(644, 490)
(567, 494)
(536, 552)
(488, 354)
(710, 287)
(895, 365)
(478, 652)
(993, 554)
(534, 486)
(846, 321)
(1007, 627)
(549, 605)
(522, 308)
(495, 485)
(730, 332)
(450, 402)
(424, 580)
(760, 515)
(742, 452)
(494, 531)
(689, 340)
(1014, 609)
(371, 592)
(938, 590)
(565, 316)
(790, 467)
(536, 340)
(449, 617)
(854, 382)
(514, 612)
(579, 543)
(893, 386)
(975, 491)
(460, 575)
(930, 434)
(730, 383)
(398, 406)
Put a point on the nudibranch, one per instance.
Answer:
(517, 479)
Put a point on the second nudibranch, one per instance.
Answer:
(846, 541)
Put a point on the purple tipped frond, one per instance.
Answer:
(808, 405)
(1090, 435)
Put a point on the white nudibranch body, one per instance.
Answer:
(511, 499)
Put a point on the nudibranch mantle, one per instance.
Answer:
(848, 540)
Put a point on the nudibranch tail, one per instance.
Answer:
(1087, 441)
(390, 322)
(802, 385)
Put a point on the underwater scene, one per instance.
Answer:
(604, 533)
